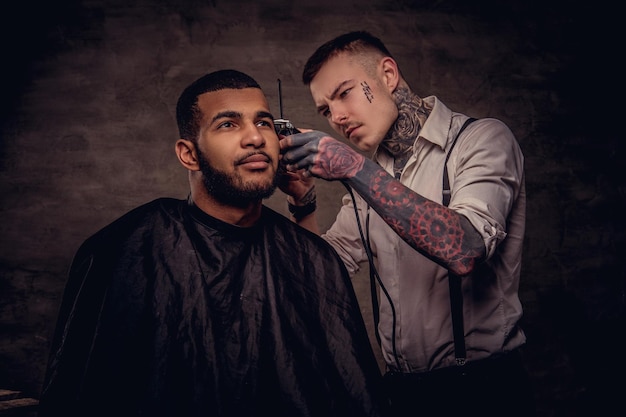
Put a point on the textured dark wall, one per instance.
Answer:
(88, 96)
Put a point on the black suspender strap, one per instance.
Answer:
(454, 281)
(446, 182)
(373, 273)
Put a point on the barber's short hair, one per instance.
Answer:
(188, 115)
(353, 42)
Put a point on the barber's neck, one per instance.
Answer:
(412, 114)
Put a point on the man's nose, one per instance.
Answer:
(252, 136)
(338, 115)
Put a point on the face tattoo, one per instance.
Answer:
(367, 91)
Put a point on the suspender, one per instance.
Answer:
(454, 281)
(456, 298)
(446, 181)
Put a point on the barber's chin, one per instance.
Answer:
(365, 145)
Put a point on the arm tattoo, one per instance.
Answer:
(436, 231)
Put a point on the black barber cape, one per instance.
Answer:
(170, 312)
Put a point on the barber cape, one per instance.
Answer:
(170, 312)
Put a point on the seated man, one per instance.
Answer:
(215, 305)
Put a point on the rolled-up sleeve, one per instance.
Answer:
(487, 178)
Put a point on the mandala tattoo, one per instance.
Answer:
(420, 222)
(435, 225)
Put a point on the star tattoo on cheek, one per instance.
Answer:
(367, 91)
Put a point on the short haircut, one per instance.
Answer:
(188, 115)
(353, 42)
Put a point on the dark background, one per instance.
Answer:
(87, 132)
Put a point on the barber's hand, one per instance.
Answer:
(315, 153)
(295, 184)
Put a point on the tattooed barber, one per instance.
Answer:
(422, 240)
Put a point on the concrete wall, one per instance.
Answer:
(88, 127)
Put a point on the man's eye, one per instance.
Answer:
(345, 92)
(225, 125)
(325, 112)
(264, 123)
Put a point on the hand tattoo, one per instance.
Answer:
(336, 160)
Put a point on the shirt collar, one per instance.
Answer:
(438, 123)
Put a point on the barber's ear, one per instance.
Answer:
(391, 74)
(187, 154)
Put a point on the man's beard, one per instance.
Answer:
(230, 189)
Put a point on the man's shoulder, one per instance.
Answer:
(160, 207)
(491, 133)
(147, 215)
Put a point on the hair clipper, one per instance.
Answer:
(283, 126)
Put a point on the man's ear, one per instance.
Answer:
(187, 154)
(391, 73)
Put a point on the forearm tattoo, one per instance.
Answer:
(431, 228)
